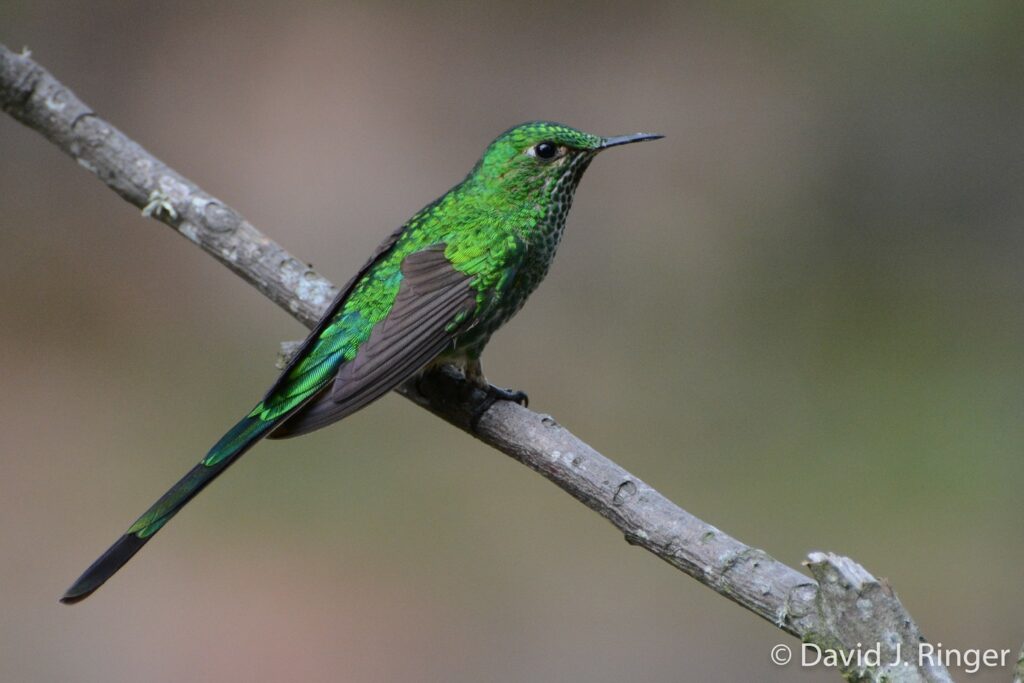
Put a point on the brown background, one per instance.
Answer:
(800, 316)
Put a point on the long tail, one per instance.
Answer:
(232, 445)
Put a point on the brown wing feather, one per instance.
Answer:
(328, 317)
(431, 295)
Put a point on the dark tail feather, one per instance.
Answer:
(231, 446)
(103, 568)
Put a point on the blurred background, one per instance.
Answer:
(799, 316)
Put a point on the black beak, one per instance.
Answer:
(627, 139)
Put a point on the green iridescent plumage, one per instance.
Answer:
(433, 292)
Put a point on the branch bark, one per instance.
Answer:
(842, 608)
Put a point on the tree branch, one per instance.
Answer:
(842, 608)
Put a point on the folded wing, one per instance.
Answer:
(433, 304)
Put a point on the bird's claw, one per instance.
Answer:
(515, 396)
(495, 394)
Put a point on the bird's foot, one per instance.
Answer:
(513, 395)
(449, 385)
(494, 394)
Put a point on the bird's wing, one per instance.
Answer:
(328, 317)
(433, 304)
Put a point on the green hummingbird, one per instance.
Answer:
(432, 293)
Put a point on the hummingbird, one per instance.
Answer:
(431, 294)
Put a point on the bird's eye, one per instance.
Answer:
(544, 150)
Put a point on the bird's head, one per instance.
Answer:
(542, 158)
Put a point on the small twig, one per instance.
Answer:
(843, 608)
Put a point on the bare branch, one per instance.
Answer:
(843, 608)
(34, 97)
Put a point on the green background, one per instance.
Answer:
(799, 316)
